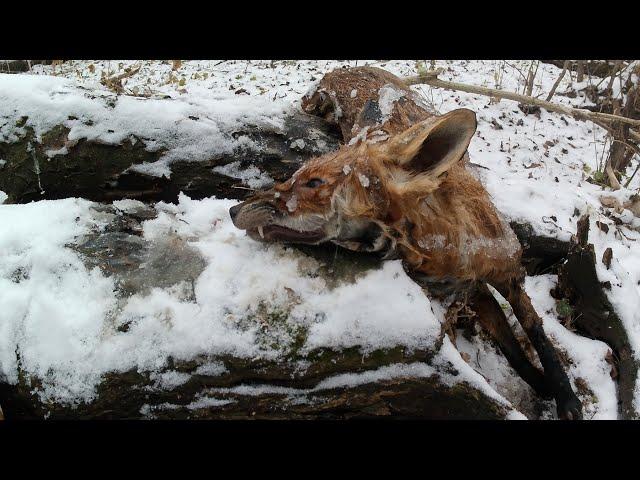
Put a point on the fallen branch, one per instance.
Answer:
(431, 78)
(115, 83)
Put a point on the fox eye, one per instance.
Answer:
(314, 183)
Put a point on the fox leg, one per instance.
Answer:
(568, 405)
(493, 320)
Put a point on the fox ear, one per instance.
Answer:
(434, 145)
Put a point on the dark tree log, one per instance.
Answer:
(122, 252)
(595, 316)
(540, 254)
(97, 171)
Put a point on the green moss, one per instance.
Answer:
(598, 176)
(564, 309)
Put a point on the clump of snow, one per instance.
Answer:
(213, 369)
(358, 314)
(251, 176)
(298, 144)
(208, 402)
(128, 205)
(148, 410)
(346, 169)
(169, 380)
(388, 95)
(364, 180)
(3, 197)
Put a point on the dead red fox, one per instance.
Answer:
(400, 187)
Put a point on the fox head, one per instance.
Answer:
(356, 197)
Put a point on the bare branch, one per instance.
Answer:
(430, 78)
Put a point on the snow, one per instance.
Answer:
(52, 308)
(208, 402)
(388, 96)
(196, 127)
(364, 180)
(169, 380)
(62, 318)
(587, 357)
(358, 314)
(251, 176)
(58, 317)
(447, 365)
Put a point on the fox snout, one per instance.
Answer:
(263, 221)
(252, 214)
(233, 212)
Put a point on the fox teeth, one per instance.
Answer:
(260, 232)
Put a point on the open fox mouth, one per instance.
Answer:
(278, 233)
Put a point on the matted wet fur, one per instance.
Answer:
(399, 186)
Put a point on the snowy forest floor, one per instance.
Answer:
(534, 166)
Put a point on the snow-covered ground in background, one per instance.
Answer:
(534, 166)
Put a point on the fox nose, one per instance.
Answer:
(233, 211)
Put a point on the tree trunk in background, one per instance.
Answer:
(17, 66)
(624, 144)
(597, 68)
(580, 71)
